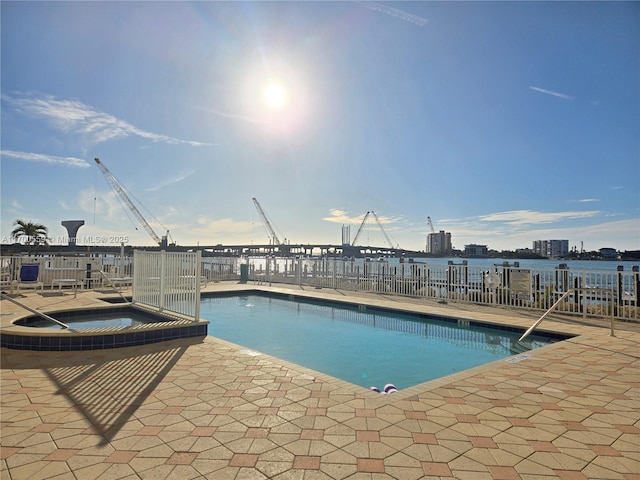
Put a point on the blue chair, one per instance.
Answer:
(29, 276)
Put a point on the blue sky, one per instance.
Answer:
(504, 122)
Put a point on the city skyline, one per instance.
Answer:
(503, 122)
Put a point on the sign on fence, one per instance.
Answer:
(520, 283)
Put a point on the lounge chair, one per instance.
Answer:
(29, 277)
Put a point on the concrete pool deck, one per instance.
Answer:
(206, 408)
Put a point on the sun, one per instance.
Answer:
(275, 95)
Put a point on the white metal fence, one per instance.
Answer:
(52, 270)
(505, 285)
(215, 269)
(168, 281)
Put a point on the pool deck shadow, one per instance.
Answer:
(207, 408)
(107, 391)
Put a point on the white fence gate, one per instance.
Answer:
(168, 281)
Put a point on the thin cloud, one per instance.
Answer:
(551, 92)
(211, 228)
(178, 178)
(73, 116)
(530, 217)
(385, 220)
(589, 200)
(340, 216)
(51, 159)
(234, 116)
(12, 208)
(395, 12)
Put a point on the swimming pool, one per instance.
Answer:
(100, 328)
(98, 319)
(362, 345)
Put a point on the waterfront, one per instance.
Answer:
(610, 265)
(487, 263)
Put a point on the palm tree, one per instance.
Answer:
(35, 233)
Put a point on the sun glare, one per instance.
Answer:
(275, 95)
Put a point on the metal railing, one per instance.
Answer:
(113, 285)
(34, 311)
(503, 285)
(560, 300)
(605, 292)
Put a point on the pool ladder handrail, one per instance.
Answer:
(113, 286)
(33, 310)
(565, 295)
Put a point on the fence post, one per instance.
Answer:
(583, 295)
(465, 278)
(619, 288)
(576, 296)
(333, 275)
(426, 280)
(198, 284)
(613, 309)
(636, 284)
(163, 259)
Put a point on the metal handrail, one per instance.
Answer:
(33, 310)
(565, 295)
(112, 285)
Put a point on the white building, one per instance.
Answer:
(551, 248)
(439, 243)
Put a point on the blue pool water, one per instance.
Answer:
(365, 346)
(92, 320)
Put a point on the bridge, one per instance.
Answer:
(219, 250)
(308, 250)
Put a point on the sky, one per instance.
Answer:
(502, 122)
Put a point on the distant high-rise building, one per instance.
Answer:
(346, 234)
(439, 243)
(551, 248)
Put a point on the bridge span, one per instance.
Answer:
(307, 250)
(219, 250)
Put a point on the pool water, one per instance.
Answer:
(365, 346)
(95, 320)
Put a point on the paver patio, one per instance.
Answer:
(206, 408)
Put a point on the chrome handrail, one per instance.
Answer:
(33, 310)
(112, 285)
(565, 295)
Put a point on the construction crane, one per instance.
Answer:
(364, 220)
(433, 230)
(386, 237)
(267, 224)
(123, 196)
